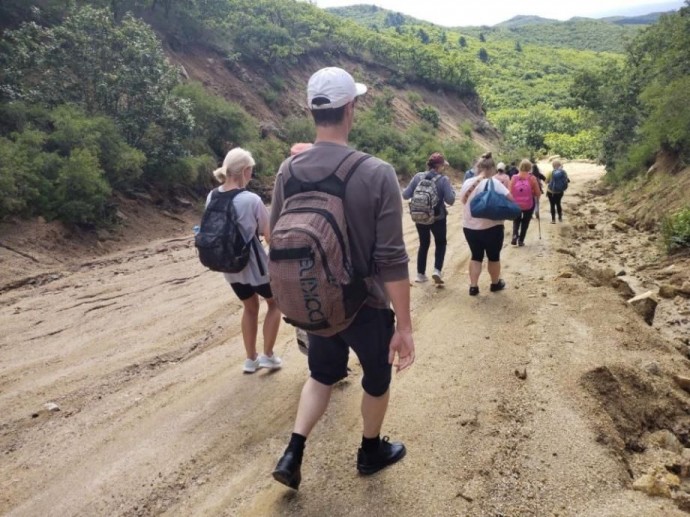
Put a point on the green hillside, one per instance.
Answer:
(525, 88)
(108, 112)
(645, 19)
(522, 20)
(582, 34)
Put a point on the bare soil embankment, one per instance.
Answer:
(550, 398)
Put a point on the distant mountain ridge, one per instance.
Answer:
(600, 35)
(368, 14)
(522, 20)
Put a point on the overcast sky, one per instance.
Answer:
(453, 13)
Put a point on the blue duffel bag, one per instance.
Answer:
(489, 204)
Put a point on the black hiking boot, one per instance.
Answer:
(387, 454)
(498, 286)
(474, 290)
(288, 470)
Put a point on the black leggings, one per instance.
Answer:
(555, 202)
(438, 228)
(489, 241)
(521, 224)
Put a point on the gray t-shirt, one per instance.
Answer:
(373, 210)
(252, 215)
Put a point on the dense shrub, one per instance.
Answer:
(81, 191)
(222, 125)
(110, 68)
(676, 230)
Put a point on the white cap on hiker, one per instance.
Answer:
(331, 88)
(501, 167)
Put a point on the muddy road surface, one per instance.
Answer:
(121, 392)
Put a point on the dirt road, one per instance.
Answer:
(141, 351)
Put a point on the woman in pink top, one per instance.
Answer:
(485, 236)
(525, 190)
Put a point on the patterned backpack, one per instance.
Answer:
(312, 276)
(425, 199)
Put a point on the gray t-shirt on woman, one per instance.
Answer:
(251, 216)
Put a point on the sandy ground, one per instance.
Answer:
(141, 351)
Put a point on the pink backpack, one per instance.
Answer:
(522, 192)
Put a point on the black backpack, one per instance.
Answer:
(219, 242)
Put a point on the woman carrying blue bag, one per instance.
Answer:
(487, 203)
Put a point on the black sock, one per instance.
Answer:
(370, 444)
(296, 445)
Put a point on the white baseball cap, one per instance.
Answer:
(501, 166)
(332, 87)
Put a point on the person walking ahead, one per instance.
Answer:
(556, 184)
(524, 188)
(484, 236)
(253, 281)
(446, 196)
(373, 211)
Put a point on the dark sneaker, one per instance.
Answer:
(514, 241)
(521, 243)
(498, 286)
(387, 454)
(474, 291)
(288, 471)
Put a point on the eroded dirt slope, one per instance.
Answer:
(141, 350)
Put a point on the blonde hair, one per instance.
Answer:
(485, 165)
(525, 165)
(236, 161)
(556, 164)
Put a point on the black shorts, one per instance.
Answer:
(489, 241)
(369, 336)
(246, 291)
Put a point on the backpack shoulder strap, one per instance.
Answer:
(333, 184)
(230, 197)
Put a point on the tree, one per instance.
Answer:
(518, 47)
(483, 55)
(481, 37)
(462, 42)
(394, 20)
(423, 36)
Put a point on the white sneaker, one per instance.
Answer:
(272, 363)
(437, 276)
(421, 278)
(250, 366)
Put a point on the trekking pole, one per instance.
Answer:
(538, 219)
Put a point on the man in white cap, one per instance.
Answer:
(373, 211)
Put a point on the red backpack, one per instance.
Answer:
(522, 192)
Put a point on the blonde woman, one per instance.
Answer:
(484, 236)
(253, 281)
(524, 188)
